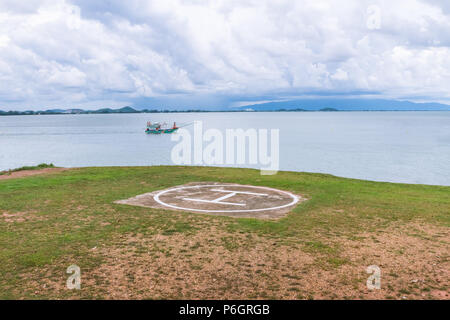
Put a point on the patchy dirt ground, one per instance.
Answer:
(248, 202)
(413, 258)
(20, 216)
(211, 264)
(27, 173)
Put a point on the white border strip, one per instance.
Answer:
(294, 198)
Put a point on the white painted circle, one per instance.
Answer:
(294, 198)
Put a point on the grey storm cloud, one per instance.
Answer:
(110, 53)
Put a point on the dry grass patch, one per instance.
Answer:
(20, 216)
(27, 173)
(414, 260)
(213, 264)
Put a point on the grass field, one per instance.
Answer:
(319, 251)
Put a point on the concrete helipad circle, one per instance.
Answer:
(223, 198)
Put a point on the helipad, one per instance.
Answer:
(225, 199)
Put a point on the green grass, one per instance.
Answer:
(39, 166)
(73, 211)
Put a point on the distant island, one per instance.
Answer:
(131, 110)
(302, 105)
(328, 104)
(99, 111)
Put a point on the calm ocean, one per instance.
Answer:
(409, 147)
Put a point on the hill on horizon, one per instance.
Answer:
(291, 105)
(348, 105)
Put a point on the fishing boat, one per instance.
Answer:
(157, 128)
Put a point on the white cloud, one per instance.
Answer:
(340, 75)
(70, 53)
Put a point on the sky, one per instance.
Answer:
(226, 53)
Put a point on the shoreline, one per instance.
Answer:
(221, 111)
(25, 173)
